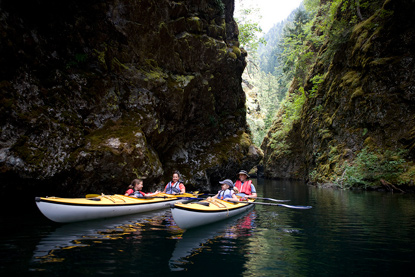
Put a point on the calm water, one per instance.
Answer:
(346, 233)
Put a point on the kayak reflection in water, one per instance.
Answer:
(198, 240)
(135, 189)
(175, 186)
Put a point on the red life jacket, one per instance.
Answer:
(245, 188)
(129, 192)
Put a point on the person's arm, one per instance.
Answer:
(213, 197)
(253, 192)
(233, 198)
(182, 188)
(164, 191)
(153, 193)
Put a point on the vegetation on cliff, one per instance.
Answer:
(348, 117)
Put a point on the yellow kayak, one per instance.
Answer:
(195, 214)
(64, 210)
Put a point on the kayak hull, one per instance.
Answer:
(66, 210)
(193, 215)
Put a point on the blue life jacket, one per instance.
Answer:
(175, 188)
(222, 194)
(138, 193)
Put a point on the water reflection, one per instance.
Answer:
(81, 234)
(345, 233)
(197, 240)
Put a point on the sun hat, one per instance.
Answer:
(227, 182)
(244, 172)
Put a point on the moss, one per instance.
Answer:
(385, 61)
(245, 140)
(358, 92)
(116, 65)
(155, 74)
(29, 152)
(124, 130)
(351, 79)
(101, 57)
(236, 50)
(194, 24)
(408, 177)
(232, 55)
(152, 63)
(369, 142)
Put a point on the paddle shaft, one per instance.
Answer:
(262, 198)
(149, 197)
(273, 204)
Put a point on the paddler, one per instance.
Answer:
(245, 186)
(175, 186)
(227, 192)
(135, 189)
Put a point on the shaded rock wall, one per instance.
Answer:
(367, 99)
(96, 93)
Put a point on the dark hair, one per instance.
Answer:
(177, 172)
(136, 181)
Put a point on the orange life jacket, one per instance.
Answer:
(245, 188)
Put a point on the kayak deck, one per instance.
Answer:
(215, 205)
(112, 200)
(65, 210)
(196, 214)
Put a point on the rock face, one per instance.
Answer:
(97, 93)
(367, 99)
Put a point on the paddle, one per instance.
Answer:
(272, 204)
(262, 198)
(92, 195)
(149, 197)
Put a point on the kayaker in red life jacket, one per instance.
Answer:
(134, 190)
(244, 185)
(175, 186)
(227, 192)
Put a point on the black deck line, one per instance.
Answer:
(210, 211)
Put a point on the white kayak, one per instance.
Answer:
(190, 215)
(64, 210)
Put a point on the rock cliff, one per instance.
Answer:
(97, 93)
(366, 100)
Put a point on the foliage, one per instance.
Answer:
(316, 80)
(249, 30)
(370, 167)
(220, 5)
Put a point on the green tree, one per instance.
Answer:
(249, 29)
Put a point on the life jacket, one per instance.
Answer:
(129, 192)
(223, 194)
(173, 188)
(139, 193)
(245, 188)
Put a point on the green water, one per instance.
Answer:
(345, 233)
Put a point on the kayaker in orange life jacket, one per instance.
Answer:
(175, 186)
(227, 192)
(244, 185)
(135, 189)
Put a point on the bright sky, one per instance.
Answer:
(272, 11)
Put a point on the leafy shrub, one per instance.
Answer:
(370, 167)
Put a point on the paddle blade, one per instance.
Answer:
(92, 195)
(295, 207)
(276, 200)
